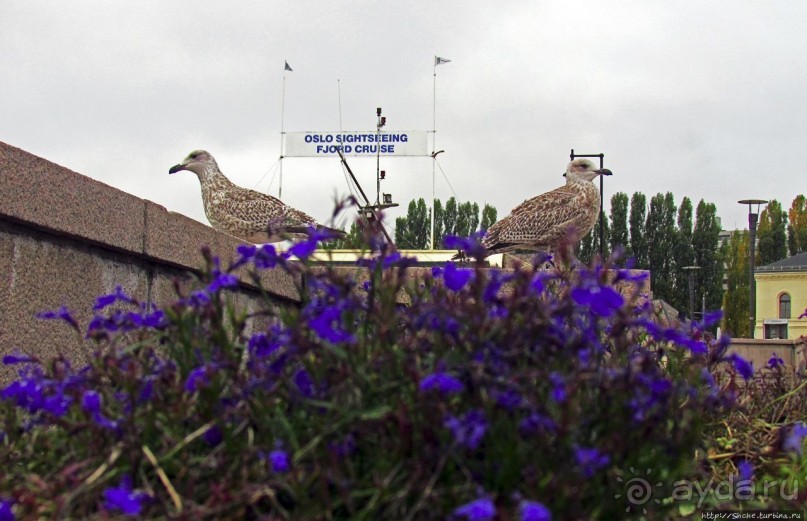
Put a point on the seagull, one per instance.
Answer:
(542, 223)
(246, 214)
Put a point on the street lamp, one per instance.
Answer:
(691, 283)
(752, 248)
(572, 157)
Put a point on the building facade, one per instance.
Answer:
(781, 297)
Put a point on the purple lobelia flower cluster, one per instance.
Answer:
(388, 392)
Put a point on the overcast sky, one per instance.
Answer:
(703, 99)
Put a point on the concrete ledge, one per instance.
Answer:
(66, 239)
(43, 195)
(758, 351)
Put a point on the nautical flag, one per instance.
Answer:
(288, 68)
(440, 61)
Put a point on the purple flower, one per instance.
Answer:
(246, 252)
(57, 404)
(146, 390)
(107, 300)
(677, 337)
(5, 509)
(304, 383)
(303, 250)
(590, 460)
(124, 499)
(745, 471)
(19, 359)
(741, 365)
(534, 511)
(222, 280)
(456, 278)
(197, 379)
(61, 314)
(775, 361)
(478, 510)
(711, 318)
(454, 242)
(603, 300)
(279, 459)
(261, 345)
(793, 441)
(469, 430)
(509, 399)
(537, 284)
(444, 382)
(493, 287)
(535, 423)
(266, 257)
(213, 436)
(91, 402)
(558, 387)
(327, 326)
(471, 245)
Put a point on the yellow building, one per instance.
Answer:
(781, 298)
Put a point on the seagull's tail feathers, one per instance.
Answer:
(324, 233)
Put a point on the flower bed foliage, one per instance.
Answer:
(525, 394)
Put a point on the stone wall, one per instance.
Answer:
(759, 351)
(66, 239)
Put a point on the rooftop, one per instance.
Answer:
(797, 262)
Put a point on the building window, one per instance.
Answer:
(774, 331)
(784, 305)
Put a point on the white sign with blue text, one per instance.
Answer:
(368, 144)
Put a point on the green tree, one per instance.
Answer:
(683, 255)
(619, 223)
(797, 225)
(735, 301)
(585, 248)
(660, 234)
(461, 219)
(438, 225)
(705, 239)
(488, 217)
(450, 213)
(467, 219)
(638, 241)
(412, 231)
(771, 234)
(589, 246)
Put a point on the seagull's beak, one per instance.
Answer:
(603, 171)
(176, 168)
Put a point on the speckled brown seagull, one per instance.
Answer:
(566, 213)
(243, 213)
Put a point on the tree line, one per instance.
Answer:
(413, 232)
(663, 237)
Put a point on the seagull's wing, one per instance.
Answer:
(540, 221)
(262, 210)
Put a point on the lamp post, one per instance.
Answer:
(572, 157)
(691, 283)
(752, 248)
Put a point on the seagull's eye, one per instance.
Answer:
(194, 156)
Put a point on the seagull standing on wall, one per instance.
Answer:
(542, 223)
(246, 214)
